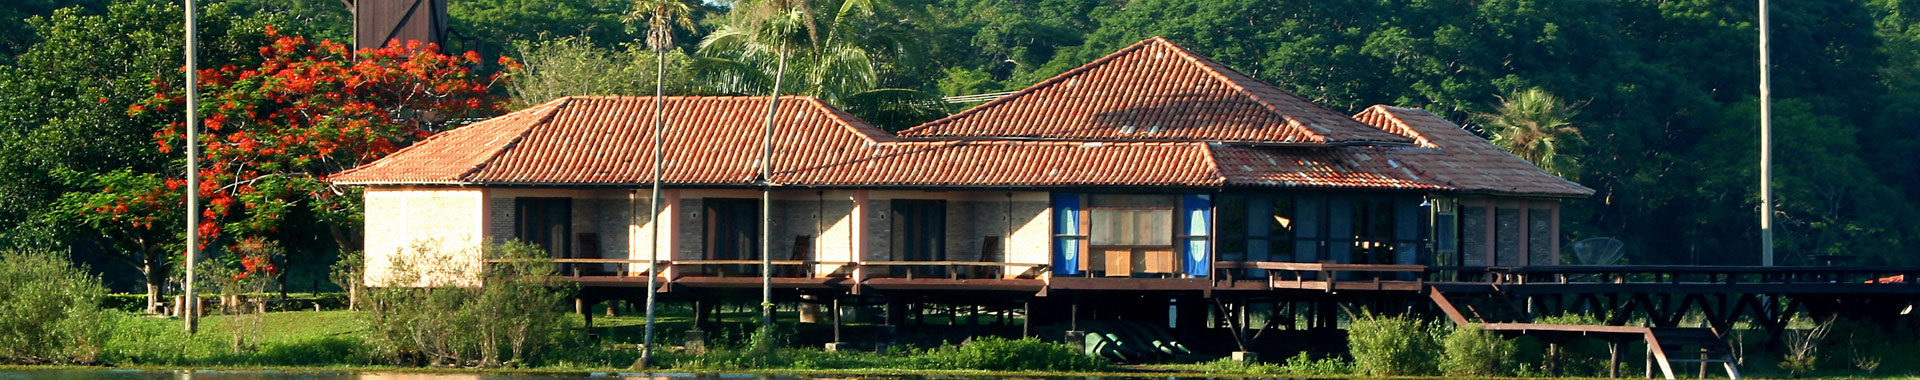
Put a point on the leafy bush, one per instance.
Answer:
(1473, 351)
(49, 310)
(1000, 354)
(1303, 365)
(431, 312)
(1391, 346)
(240, 288)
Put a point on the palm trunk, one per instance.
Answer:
(766, 197)
(653, 203)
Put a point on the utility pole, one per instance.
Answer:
(1766, 146)
(190, 303)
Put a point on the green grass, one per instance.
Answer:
(333, 340)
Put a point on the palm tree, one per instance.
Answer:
(834, 42)
(662, 16)
(1535, 125)
(766, 31)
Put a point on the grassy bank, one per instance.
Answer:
(337, 340)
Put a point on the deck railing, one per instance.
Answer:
(1276, 274)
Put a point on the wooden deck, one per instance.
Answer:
(1232, 276)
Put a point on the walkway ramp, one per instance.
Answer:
(1665, 346)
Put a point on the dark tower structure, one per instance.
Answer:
(377, 21)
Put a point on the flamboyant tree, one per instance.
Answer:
(274, 129)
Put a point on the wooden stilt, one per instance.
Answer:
(1026, 319)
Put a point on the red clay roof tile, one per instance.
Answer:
(1461, 160)
(1155, 91)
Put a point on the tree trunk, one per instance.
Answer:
(344, 238)
(156, 277)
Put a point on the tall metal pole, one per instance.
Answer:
(192, 304)
(766, 197)
(1766, 146)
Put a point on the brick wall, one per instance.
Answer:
(436, 232)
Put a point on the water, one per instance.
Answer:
(121, 374)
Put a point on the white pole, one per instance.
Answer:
(1766, 146)
(192, 304)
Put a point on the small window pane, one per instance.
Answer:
(1156, 227)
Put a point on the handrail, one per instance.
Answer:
(946, 263)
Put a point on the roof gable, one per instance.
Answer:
(1464, 161)
(1155, 91)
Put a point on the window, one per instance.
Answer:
(1132, 220)
(1312, 228)
(544, 222)
(732, 228)
(919, 230)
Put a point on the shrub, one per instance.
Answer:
(431, 312)
(49, 310)
(1391, 346)
(242, 289)
(1802, 354)
(1000, 354)
(1303, 365)
(1473, 351)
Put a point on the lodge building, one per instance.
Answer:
(1153, 168)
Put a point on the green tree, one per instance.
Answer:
(63, 111)
(834, 43)
(491, 26)
(1536, 126)
(574, 66)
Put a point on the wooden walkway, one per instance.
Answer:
(1664, 346)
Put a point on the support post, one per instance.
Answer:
(1613, 358)
(1026, 319)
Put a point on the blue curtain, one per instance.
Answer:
(1066, 221)
(1198, 211)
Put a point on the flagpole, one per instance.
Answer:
(1766, 146)
(191, 304)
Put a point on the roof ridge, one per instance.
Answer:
(847, 120)
(1215, 69)
(1213, 164)
(558, 104)
(432, 137)
(1090, 65)
(1419, 139)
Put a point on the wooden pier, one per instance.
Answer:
(1644, 304)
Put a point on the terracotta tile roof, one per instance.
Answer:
(1347, 167)
(716, 141)
(449, 157)
(1461, 160)
(1155, 91)
(1016, 163)
(608, 140)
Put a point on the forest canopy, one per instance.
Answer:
(1661, 95)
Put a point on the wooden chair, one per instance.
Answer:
(990, 252)
(802, 251)
(589, 248)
